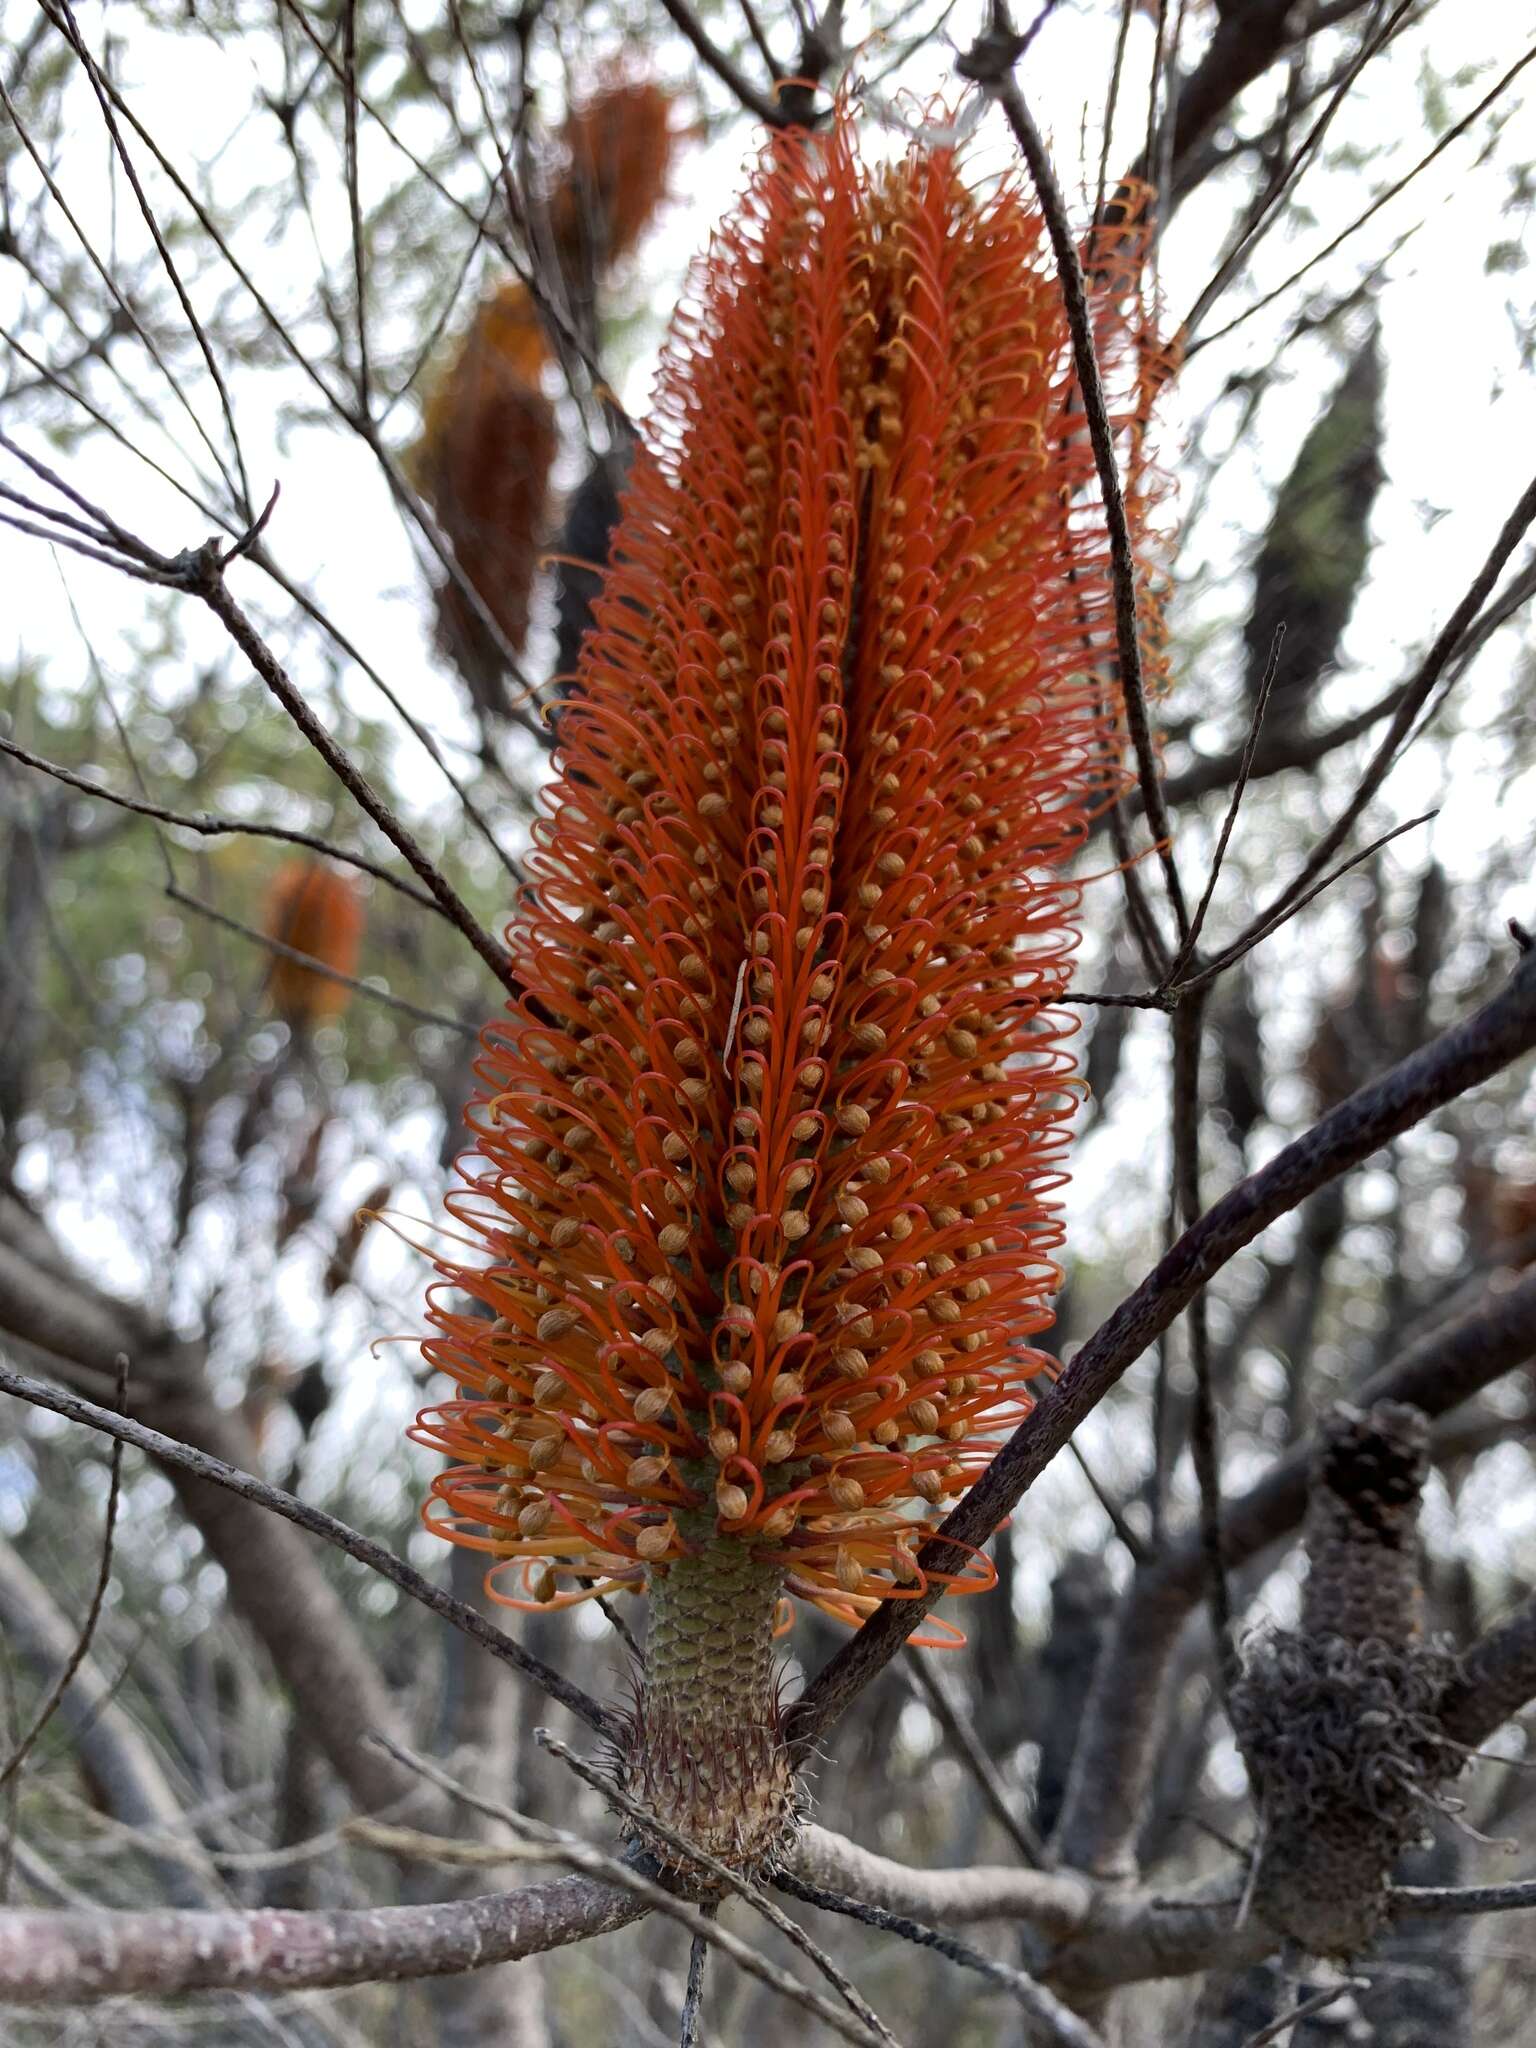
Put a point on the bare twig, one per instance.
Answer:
(725, 69)
(619, 1625)
(315, 1520)
(1265, 210)
(62, 14)
(989, 64)
(693, 1996)
(597, 1862)
(1382, 199)
(1133, 1545)
(282, 951)
(1492, 1038)
(1112, 102)
(1204, 1445)
(207, 825)
(354, 204)
(1413, 1900)
(1058, 2022)
(204, 578)
(1413, 696)
(81, 1651)
(1234, 805)
(1277, 2030)
(958, 1728)
(724, 1875)
(1285, 911)
(103, 271)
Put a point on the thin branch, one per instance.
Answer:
(1204, 1442)
(1408, 1900)
(988, 64)
(1133, 1545)
(317, 1523)
(1446, 642)
(1112, 102)
(81, 1651)
(693, 1996)
(209, 826)
(725, 69)
(958, 1728)
(1266, 208)
(1234, 805)
(346, 413)
(597, 1862)
(204, 578)
(1382, 199)
(1271, 922)
(723, 1874)
(65, 19)
(1281, 751)
(1058, 2022)
(1492, 1038)
(103, 271)
(354, 204)
(280, 950)
(306, 603)
(619, 1625)
(764, 47)
(1279, 2029)
(106, 527)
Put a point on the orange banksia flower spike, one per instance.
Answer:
(765, 1162)
(482, 463)
(316, 909)
(488, 439)
(618, 147)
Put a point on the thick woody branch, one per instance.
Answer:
(1498, 1678)
(56, 1958)
(1492, 1038)
(1055, 1903)
(1095, 1937)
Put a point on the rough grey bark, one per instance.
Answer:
(48, 1958)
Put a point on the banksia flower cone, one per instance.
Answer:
(618, 148)
(315, 909)
(765, 1159)
(482, 463)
